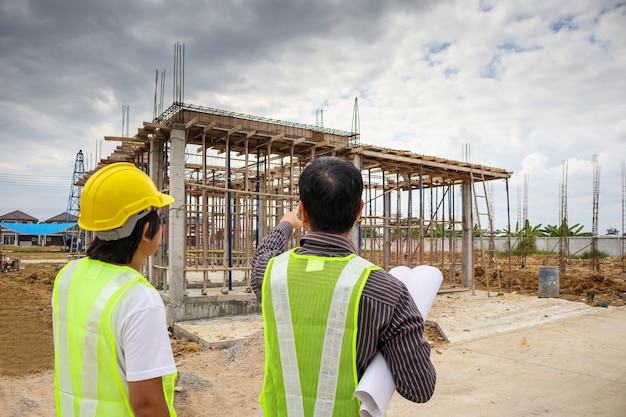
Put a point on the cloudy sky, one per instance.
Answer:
(527, 86)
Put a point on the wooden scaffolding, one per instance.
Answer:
(241, 174)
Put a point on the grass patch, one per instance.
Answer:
(589, 255)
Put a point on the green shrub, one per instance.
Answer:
(589, 255)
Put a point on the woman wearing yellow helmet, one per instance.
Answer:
(112, 351)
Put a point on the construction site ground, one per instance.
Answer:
(496, 353)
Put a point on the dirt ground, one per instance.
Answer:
(214, 382)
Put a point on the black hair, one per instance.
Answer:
(121, 251)
(330, 190)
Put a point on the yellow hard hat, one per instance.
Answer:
(114, 194)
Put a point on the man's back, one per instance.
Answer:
(388, 320)
(309, 309)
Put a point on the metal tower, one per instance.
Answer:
(74, 238)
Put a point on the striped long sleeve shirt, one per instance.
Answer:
(388, 319)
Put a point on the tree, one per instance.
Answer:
(612, 232)
(526, 237)
(556, 231)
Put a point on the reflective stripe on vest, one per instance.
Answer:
(284, 328)
(329, 369)
(62, 374)
(333, 334)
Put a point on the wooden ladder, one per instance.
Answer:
(489, 257)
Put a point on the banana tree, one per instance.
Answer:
(563, 230)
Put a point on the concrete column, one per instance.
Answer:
(261, 220)
(356, 229)
(467, 245)
(386, 229)
(176, 223)
(228, 222)
(155, 169)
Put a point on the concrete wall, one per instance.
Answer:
(214, 305)
(577, 245)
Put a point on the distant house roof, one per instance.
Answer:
(18, 216)
(62, 218)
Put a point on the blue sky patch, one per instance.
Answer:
(485, 7)
(439, 48)
(512, 46)
(492, 69)
(564, 23)
(449, 72)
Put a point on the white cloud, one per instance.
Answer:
(526, 84)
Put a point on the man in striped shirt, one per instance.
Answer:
(387, 319)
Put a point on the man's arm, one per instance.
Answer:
(407, 352)
(271, 245)
(147, 398)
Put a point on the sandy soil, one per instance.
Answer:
(214, 382)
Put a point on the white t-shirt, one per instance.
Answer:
(139, 324)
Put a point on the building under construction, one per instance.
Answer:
(234, 175)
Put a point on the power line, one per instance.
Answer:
(21, 179)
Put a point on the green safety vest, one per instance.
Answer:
(310, 306)
(87, 381)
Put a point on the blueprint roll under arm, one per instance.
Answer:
(376, 387)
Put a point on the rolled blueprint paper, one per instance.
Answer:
(376, 387)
